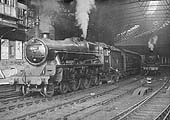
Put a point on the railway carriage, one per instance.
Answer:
(132, 62)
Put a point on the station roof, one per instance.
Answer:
(125, 23)
(142, 19)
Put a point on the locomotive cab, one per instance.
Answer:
(108, 73)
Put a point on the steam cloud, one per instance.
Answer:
(152, 41)
(48, 12)
(83, 9)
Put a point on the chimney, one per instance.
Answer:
(37, 24)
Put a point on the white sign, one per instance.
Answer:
(18, 50)
(4, 48)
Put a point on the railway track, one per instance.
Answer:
(74, 101)
(165, 114)
(154, 107)
(8, 91)
(98, 105)
(111, 108)
(9, 94)
(20, 101)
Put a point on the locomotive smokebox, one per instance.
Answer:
(45, 35)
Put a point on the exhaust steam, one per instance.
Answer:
(152, 42)
(83, 10)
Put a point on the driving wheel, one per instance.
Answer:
(49, 90)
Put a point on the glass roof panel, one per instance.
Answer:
(152, 7)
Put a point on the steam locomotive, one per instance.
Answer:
(151, 63)
(72, 64)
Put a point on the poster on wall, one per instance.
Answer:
(18, 50)
(4, 48)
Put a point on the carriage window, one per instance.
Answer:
(11, 51)
(4, 49)
(18, 50)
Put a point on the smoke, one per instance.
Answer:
(83, 9)
(152, 42)
(48, 10)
